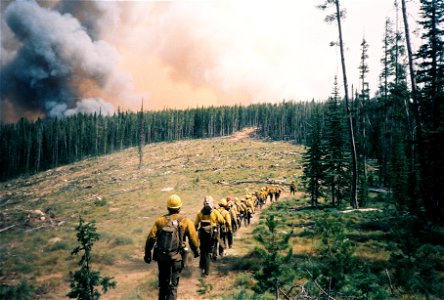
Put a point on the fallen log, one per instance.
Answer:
(6, 228)
(267, 181)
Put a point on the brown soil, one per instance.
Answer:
(189, 168)
(243, 134)
(189, 281)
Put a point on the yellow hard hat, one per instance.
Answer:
(174, 202)
(223, 202)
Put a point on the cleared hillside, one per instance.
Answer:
(39, 213)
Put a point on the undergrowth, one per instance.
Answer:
(378, 254)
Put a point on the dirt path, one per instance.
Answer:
(221, 283)
(243, 134)
(243, 243)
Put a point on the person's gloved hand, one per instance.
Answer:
(196, 254)
(147, 258)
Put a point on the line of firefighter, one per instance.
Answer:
(216, 226)
(215, 229)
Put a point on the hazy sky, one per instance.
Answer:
(181, 54)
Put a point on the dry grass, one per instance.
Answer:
(125, 201)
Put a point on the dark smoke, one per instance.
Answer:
(56, 55)
(95, 16)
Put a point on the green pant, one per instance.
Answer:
(169, 275)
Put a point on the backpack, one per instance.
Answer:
(205, 231)
(169, 241)
(206, 236)
(224, 227)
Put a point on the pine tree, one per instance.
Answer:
(338, 16)
(362, 123)
(335, 262)
(392, 94)
(431, 77)
(314, 172)
(336, 164)
(84, 281)
(274, 272)
(399, 170)
(141, 135)
(364, 70)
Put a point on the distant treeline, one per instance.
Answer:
(27, 147)
(394, 139)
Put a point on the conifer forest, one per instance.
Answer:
(388, 142)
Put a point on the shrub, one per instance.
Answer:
(22, 291)
(204, 287)
(100, 202)
(105, 258)
(274, 272)
(84, 281)
(47, 287)
(335, 269)
(122, 240)
(58, 246)
(138, 230)
(415, 264)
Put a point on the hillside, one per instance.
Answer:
(39, 213)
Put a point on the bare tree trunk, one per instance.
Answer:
(55, 153)
(105, 133)
(276, 290)
(28, 151)
(417, 148)
(141, 137)
(96, 138)
(412, 72)
(353, 200)
(39, 147)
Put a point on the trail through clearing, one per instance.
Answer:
(243, 243)
(124, 201)
(243, 134)
(221, 283)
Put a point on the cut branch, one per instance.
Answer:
(6, 228)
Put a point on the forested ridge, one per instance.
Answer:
(29, 147)
(380, 150)
(397, 136)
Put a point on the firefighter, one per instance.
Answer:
(270, 190)
(249, 209)
(226, 229)
(220, 224)
(242, 211)
(234, 215)
(207, 223)
(277, 193)
(263, 194)
(169, 258)
(293, 188)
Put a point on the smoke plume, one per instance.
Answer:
(59, 57)
(58, 66)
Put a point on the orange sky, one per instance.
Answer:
(183, 54)
(180, 54)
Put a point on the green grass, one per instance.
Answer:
(374, 237)
(124, 201)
